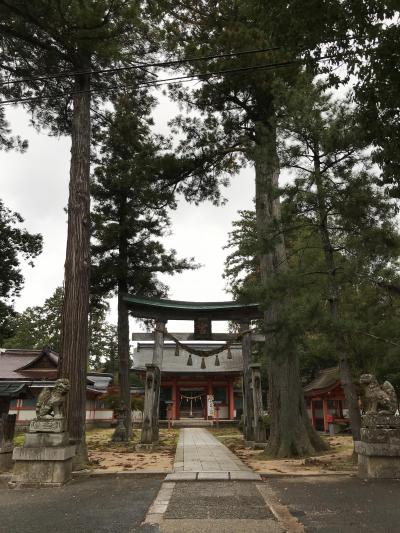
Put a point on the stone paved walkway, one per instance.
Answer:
(200, 456)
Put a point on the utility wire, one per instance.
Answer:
(170, 63)
(156, 83)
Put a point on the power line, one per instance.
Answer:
(170, 63)
(156, 83)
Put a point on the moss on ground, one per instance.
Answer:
(99, 439)
(19, 439)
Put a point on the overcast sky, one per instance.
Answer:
(36, 185)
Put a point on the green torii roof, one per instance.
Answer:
(13, 391)
(164, 309)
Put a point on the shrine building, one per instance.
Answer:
(200, 371)
(189, 386)
(326, 402)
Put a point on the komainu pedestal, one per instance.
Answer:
(379, 447)
(45, 459)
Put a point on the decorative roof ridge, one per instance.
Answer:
(45, 352)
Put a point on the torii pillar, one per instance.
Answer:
(150, 426)
(248, 408)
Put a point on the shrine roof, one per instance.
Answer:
(143, 354)
(22, 363)
(13, 391)
(182, 310)
(326, 379)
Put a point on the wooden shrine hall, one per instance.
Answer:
(183, 371)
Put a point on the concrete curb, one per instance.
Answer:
(133, 473)
(268, 475)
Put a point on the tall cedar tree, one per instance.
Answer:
(369, 313)
(239, 126)
(40, 41)
(131, 190)
(322, 142)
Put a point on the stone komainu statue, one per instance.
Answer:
(50, 402)
(378, 399)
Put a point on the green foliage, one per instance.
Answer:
(137, 404)
(42, 37)
(40, 326)
(113, 401)
(132, 195)
(16, 244)
(361, 221)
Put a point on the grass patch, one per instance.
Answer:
(19, 439)
(231, 437)
(99, 440)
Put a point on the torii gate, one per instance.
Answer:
(202, 313)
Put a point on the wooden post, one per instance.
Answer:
(231, 401)
(150, 426)
(312, 413)
(150, 414)
(157, 361)
(259, 428)
(326, 413)
(7, 428)
(175, 400)
(248, 430)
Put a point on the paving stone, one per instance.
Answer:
(245, 476)
(210, 476)
(180, 476)
(199, 451)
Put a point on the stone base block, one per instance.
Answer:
(44, 440)
(377, 449)
(62, 453)
(370, 467)
(380, 420)
(48, 425)
(147, 447)
(41, 473)
(6, 461)
(43, 466)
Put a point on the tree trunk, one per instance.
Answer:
(334, 305)
(124, 361)
(123, 319)
(74, 321)
(291, 431)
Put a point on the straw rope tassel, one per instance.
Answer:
(229, 353)
(203, 363)
(216, 360)
(189, 361)
(176, 350)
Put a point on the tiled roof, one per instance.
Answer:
(17, 363)
(143, 355)
(326, 379)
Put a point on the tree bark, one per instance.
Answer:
(74, 321)
(124, 361)
(334, 304)
(248, 408)
(291, 431)
(123, 320)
